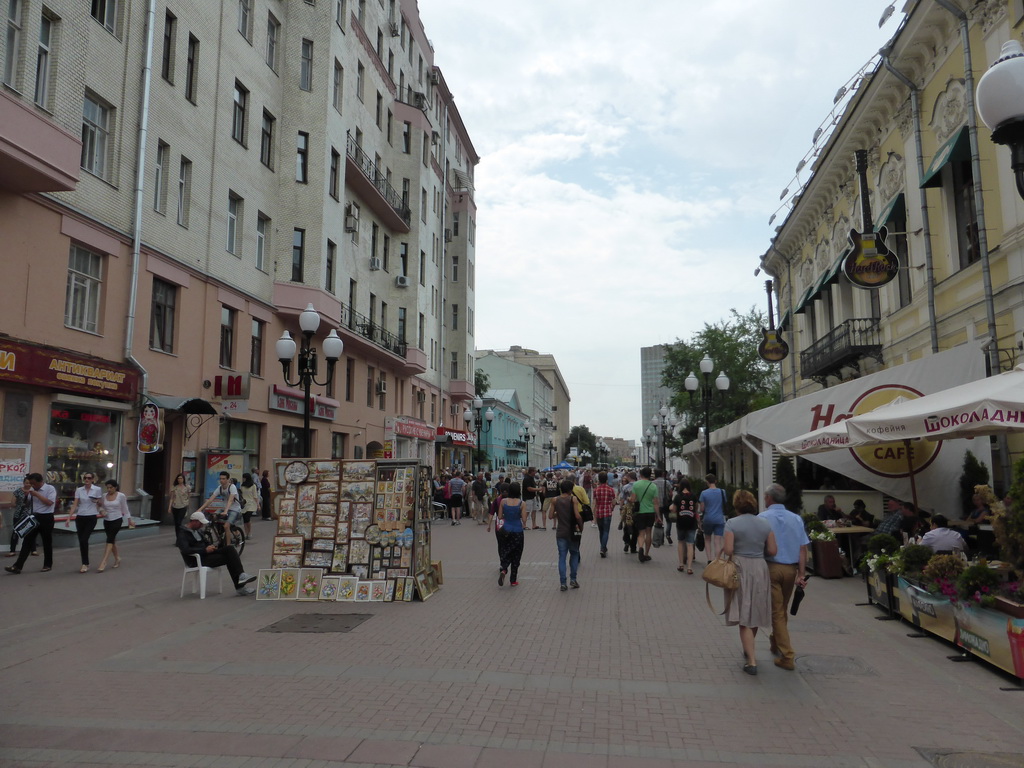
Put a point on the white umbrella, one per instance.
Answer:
(984, 407)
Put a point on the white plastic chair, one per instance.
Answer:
(199, 573)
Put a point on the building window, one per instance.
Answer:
(167, 57)
(469, 320)
(163, 156)
(379, 111)
(302, 158)
(96, 119)
(455, 224)
(161, 326)
(403, 257)
(385, 258)
(105, 12)
(298, 254)
(966, 214)
(82, 308)
(360, 77)
(338, 85)
(267, 140)
(239, 113)
(423, 268)
(332, 253)
(401, 324)
(382, 394)
(332, 185)
(12, 42)
(339, 13)
(184, 190)
(350, 378)
(292, 442)
(455, 269)
(42, 96)
(390, 124)
(420, 332)
(234, 239)
(306, 69)
(338, 445)
(423, 205)
(371, 385)
(245, 19)
(455, 365)
(455, 317)
(361, 12)
(407, 137)
(227, 336)
(273, 30)
(256, 349)
(190, 68)
(262, 228)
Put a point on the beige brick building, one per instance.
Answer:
(292, 153)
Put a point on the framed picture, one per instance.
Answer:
(306, 498)
(329, 586)
(389, 590)
(323, 532)
(188, 469)
(285, 506)
(363, 592)
(344, 510)
(323, 545)
(359, 551)
(289, 583)
(329, 486)
(268, 584)
(327, 470)
(286, 524)
(309, 583)
(325, 518)
(421, 585)
(341, 532)
(339, 563)
(286, 561)
(287, 545)
(347, 588)
(438, 573)
(431, 581)
(399, 595)
(361, 571)
(330, 498)
(409, 589)
(377, 590)
(359, 527)
(354, 471)
(317, 559)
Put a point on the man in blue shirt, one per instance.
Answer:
(786, 569)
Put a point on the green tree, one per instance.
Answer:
(732, 344)
(974, 473)
(582, 439)
(481, 382)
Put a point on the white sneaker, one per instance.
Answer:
(245, 578)
(245, 591)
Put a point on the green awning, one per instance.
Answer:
(832, 274)
(895, 207)
(804, 298)
(957, 148)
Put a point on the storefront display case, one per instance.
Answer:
(81, 440)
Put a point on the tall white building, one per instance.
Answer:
(652, 394)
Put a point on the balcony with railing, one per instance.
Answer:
(844, 345)
(370, 183)
(363, 326)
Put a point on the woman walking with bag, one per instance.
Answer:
(568, 532)
(509, 522)
(85, 512)
(748, 540)
(684, 504)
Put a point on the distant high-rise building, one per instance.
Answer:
(652, 394)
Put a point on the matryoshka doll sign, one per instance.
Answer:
(151, 428)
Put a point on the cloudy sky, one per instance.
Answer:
(632, 155)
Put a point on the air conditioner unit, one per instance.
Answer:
(419, 100)
(375, 264)
(395, 31)
(435, 78)
(421, 396)
(447, 235)
(351, 223)
(382, 387)
(352, 210)
(402, 281)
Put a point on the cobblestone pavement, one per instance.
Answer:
(631, 671)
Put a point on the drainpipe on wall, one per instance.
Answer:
(789, 290)
(915, 108)
(140, 177)
(979, 204)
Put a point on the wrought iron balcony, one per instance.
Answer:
(378, 179)
(844, 345)
(365, 327)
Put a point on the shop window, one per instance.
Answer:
(82, 306)
(161, 327)
(81, 440)
(291, 442)
(241, 436)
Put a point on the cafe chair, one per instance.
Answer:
(197, 574)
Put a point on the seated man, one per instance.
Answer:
(893, 518)
(940, 538)
(859, 515)
(195, 539)
(829, 510)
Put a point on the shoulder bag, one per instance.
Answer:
(721, 572)
(26, 525)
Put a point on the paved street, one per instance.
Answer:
(631, 670)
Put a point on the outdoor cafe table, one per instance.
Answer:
(848, 531)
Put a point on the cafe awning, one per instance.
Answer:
(955, 149)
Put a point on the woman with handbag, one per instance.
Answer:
(568, 523)
(748, 540)
(509, 524)
(684, 506)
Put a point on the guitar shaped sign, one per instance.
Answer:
(772, 348)
(870, 264)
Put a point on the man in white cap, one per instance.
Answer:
(195, 539)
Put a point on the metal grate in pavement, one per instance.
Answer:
(318, 622)
(833, 665)
(953, 759)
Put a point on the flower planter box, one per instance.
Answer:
(828, 563)
(992, 636)
(880, 588)
(1009, 607)
(932, 613)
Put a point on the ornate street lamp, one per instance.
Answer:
(528, 434)
(663, 423)
(707, 393)
(309, 322)
(648, 442)
(481, 422)
(549, 446)
(1000, 102)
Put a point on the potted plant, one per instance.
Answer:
(1010, 599)
(912, 560)
(978, 585)
(828, 563)
(941, 573)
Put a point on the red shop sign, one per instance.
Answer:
(54, 368)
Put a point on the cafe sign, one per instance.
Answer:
(41, 366)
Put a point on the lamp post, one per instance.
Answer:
(662, 422)
(602, 451)
(309, 322)
(648, 442)
(707, 366)
(481, 422)
(528, 434)
(1000, 102)
(549, 446)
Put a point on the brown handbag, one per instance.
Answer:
(721, 572)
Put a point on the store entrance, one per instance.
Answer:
(155, 482)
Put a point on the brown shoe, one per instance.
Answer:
(783, 664)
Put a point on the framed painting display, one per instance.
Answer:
(359, 551)
(329, 586)
(286, 524)
(360, 571)
(377, 590)
(409, 589)
(339, 562)
(356, 471)
(347, 588)
(399, 590)
(325, 519)
(363, 592)
(309, 583)
(344, 510)
(326, 471)
(268, 584)
(421, 585)
(287, 545)
(389, 590)
(341, 532)
(323, 532)
(289, 583)
(284, 506)
(438, 573)
(359, 526)
(323, 545)
(306, 499)
(316, 559)
(431, 581)
(286, 561)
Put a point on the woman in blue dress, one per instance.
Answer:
(508, 523)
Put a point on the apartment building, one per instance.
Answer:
(179, 180)
(906, 152)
